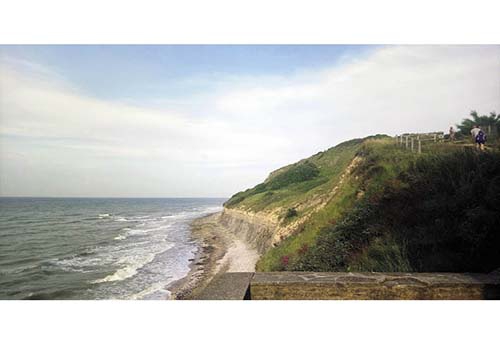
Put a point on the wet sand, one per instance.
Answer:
(220, 251)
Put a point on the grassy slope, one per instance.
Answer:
(396, 212)
(286, 255)
(330, 165)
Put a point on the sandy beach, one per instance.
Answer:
(220, 250)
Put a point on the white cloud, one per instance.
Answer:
(53, 136)
(394, 89)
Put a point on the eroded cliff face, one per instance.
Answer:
(256, 229)
(266, 229)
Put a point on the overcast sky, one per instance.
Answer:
(202, 121)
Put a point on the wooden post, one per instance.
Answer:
(419, 146)
(435, 137)
(406, 141)
(412, 147)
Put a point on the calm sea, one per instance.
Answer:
(85, 248)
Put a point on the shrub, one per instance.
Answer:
(290, 213)
(299, 173)
(285, 260)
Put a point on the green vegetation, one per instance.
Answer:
(441, 214)
(380, 160)
(298, 173)
(299, 182)
(290, 213)
(489, 123)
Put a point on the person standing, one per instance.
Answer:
(452, 133)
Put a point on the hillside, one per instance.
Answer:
(370, 205)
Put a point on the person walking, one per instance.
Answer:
(474, 132)
(480, 139)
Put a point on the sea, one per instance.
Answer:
(96, 248)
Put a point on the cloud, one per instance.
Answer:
(229, 137)
(395, 89)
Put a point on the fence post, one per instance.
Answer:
(419, 146)
(435, 137)
(407, 142)
(412, 144)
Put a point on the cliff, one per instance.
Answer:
(369, 205)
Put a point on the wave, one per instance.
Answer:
(121, 219)
(155, 288)
(193, 213)
(137, 257)
(128, 271)
(142, 231)
(134, 261)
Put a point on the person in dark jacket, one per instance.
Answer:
(480, 139)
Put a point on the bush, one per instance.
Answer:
(298, 173)
(290, 213)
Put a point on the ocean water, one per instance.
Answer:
(86, 248)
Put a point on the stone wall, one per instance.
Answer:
(358, 286)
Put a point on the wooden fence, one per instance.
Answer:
(413, 141)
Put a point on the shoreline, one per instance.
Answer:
(219, 251)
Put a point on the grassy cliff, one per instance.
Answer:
(370, 205)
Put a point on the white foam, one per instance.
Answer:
(128, 271)
(157, 287)
(140, 217)
(133, 263)
(141, 231)
(120, 237)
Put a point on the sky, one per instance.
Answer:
(209, 121)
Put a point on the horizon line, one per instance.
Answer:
(115, 197)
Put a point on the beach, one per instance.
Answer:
(220, 250)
